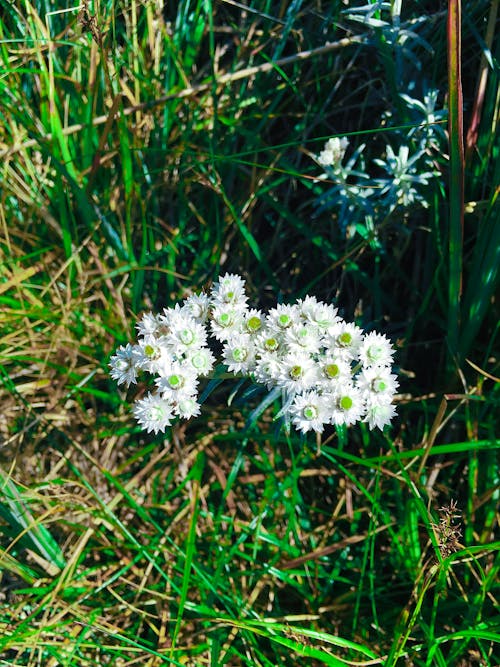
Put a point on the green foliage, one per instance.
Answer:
(148, 146)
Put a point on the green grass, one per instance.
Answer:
(147, 147)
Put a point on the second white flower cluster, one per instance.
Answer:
(329, 371)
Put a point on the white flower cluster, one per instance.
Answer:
(333, 153)
(328, 370)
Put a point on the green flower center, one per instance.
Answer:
(175, 381)
(295, 372)
(198, 360)
(284, 321)
(345, 339)
(186, 336)
(331, 371)
(346, 402)
(150, 351)
(225, 320)
(271, 344)
(254, 323)
(155, 414)
(239, 354)
(303, 335)
(310, 412)
(378, 385)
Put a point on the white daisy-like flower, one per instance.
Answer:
(229, 290)
(334, 372)
(298, 373)
(375, 350)
(239, 354)
(302, 336)
(344, 340)
(226, 320)
(377, 384)
(282, 317)
(379, 415)
(150, 325)
(309, 412)
(200, 360)
(267, 369)
(165, 318)
(185, 334)
(197, 306)
(179, 381)
(270, 343)
(321, 315)
(187, 407)
(348, 406)
(254, 322)
(153, 413)
(152, 354)
(124, 365)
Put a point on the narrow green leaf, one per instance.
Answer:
(31, 532)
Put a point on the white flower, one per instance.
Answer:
(327, 370)
(200, 360)
(282, 317)
(153, 413)
(377, 384)
(124, 365)
(348, 406)
(165, 318)
(185, 334)
(344, 339)
(375, 350)
(229, 290)
(267, 369)
(333, 152)
(302, 337)
(253, 322)
(298, 373)
(334, 372)
(187, 407)
(379, 415)
(270, 343)
(318, 313)
(197, 305)
(239, 354)
(309, 411)
(226, 320)
(152, 354)
(150, 325)
(178, 381)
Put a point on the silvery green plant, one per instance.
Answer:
(363, 196)
(328, 371)
(398, 188)
(350, 192)
(361, 201)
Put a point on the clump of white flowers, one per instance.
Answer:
(328, 371)
(333, 153)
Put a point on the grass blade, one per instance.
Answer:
(25, 527)
(456, 183)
